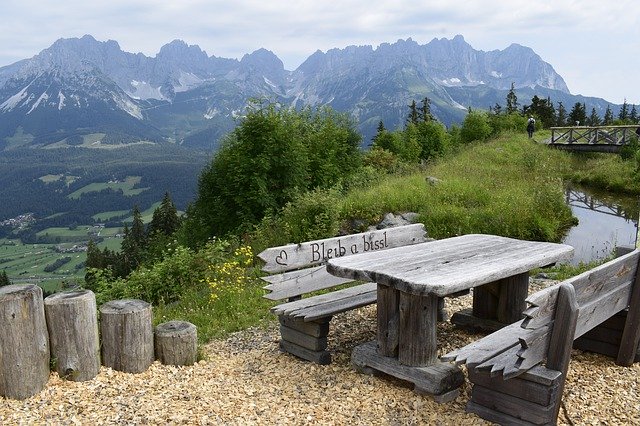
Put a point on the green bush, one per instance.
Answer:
(476, 127)
(273, 156)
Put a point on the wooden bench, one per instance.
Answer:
(518, 372)
(299, 269)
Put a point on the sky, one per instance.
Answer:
(594, 45)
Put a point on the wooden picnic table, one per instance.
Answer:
(410, 282)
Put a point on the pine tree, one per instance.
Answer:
(425, 111)
(512, 100)
(413, 117)
(608, 116)
(623, 115)
(134, 243)
(594, 118)
(633, 115)
(578, 115)
(4, 279)
(561, 118)
(165, 218)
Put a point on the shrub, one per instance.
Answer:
(475, 127)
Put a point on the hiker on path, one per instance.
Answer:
(531, 126)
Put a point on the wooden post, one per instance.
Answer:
(387, 306)
(176, 343)
(631, 332)
(127, 335)
(72, 320)
(417, 345)
(561, 342)
(24, 342)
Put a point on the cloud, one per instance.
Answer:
(577, 38)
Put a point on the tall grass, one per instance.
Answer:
(509, 186)
(604, 171)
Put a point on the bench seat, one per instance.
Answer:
(325, 305)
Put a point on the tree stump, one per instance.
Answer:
(24, 342)
(176, 343)
(72, 320)
(127, 335)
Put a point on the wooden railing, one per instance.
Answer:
(611, 135)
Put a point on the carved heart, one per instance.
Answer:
(281, 259)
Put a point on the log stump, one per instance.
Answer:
(72, 320)
(127, 335)
(24, 341)
(176, 343)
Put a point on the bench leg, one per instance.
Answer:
(306, 340)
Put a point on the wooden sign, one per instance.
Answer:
(293, 256)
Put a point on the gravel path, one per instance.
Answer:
(246, 380)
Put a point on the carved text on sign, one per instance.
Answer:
(322, 251)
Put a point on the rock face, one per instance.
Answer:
(95, 86)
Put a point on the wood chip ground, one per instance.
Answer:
(246, 380)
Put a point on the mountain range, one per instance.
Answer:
(84, 92)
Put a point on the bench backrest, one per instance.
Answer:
(300, 268)
(600, 293)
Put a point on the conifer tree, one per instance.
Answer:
(413, 117)
(633, 115)
(134, 242)
(512, 100)
(425, 111)
(623, 115)
(561, 118)
(4, 279)
(608, 116)
(578, 115)
(594, 118)
(165, 218)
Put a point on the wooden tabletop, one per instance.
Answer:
(450, 265)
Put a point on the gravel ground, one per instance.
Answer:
(246, 380)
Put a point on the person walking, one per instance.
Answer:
(531, 126)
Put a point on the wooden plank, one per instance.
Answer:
(319, 357)
(297, 283)
(337, 306)
(316, 329)
(588, 285)
(295, 256)
(290, 307)
(512, 406)
(518, 387)
(631, 332)
(436, 379)
(486, 348)
(447, 266)
(494, 416)
(304, 340)
(560, 344)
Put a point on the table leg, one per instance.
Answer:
(417, 344)
(388, 306)
(502, 300)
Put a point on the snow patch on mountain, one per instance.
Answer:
(43, 97)
(61, 99)
(187, 81)
(211, 112)
(14, 100)
(129, 107)
(144, 90)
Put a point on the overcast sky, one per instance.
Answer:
(593, 44)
